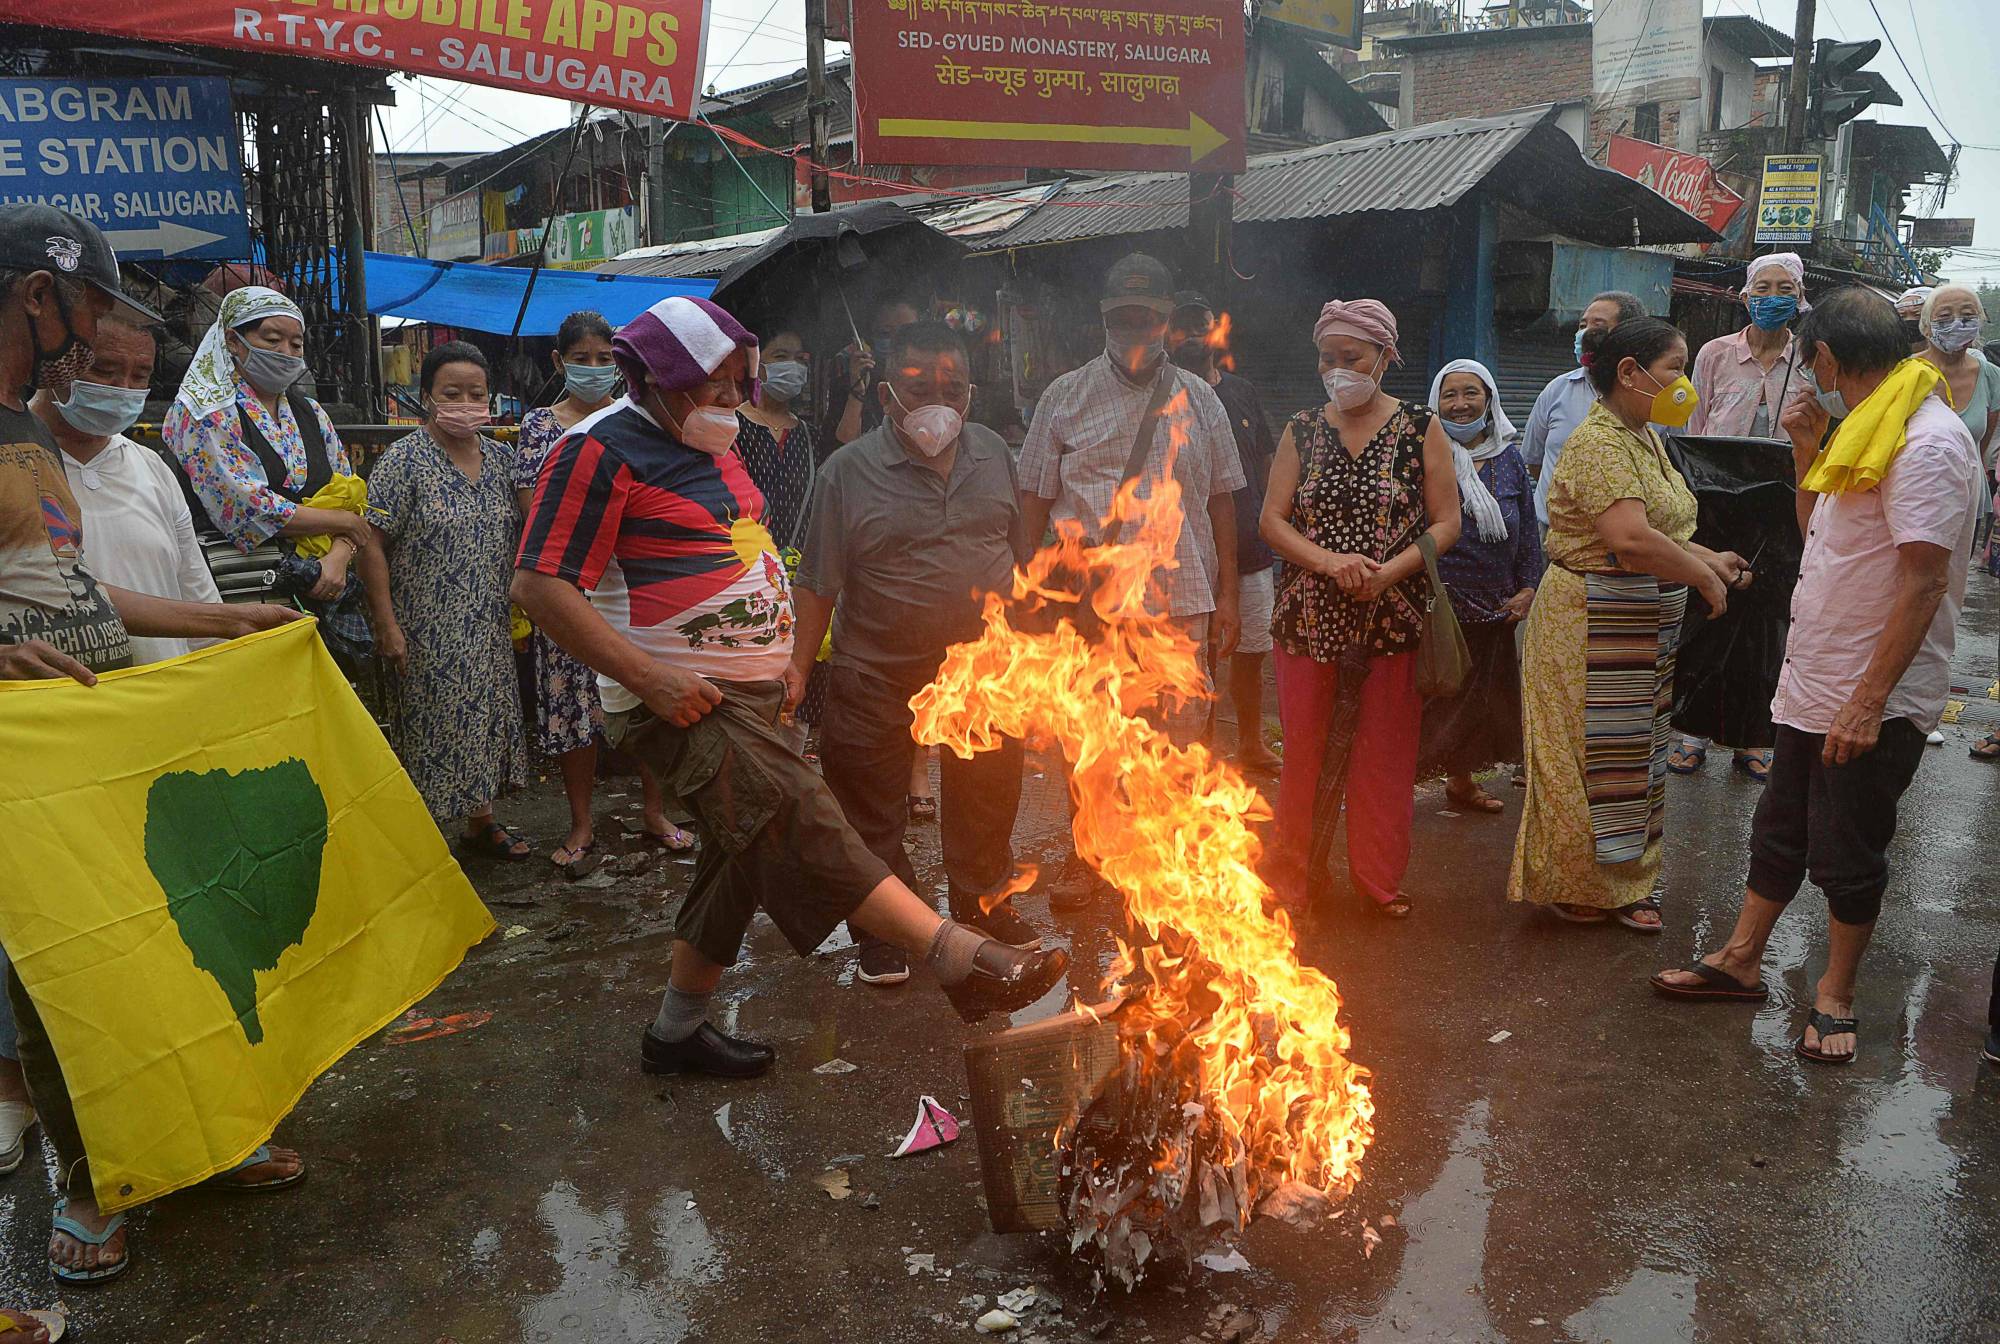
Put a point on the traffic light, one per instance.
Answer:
(1839, 88)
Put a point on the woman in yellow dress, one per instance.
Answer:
(1598, 667)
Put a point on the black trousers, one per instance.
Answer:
(772, 835)
(1833, 822)
(865, 749)
(1993, 1006)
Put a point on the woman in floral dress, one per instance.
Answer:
(568, 716)
(1354, 484)
(445, 504)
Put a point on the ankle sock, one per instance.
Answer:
(681, 1014)
(953, 952)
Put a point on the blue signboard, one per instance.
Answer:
(152, 162)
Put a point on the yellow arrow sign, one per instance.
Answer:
(1200, 139)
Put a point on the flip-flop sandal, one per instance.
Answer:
(1686, 760)
(1397, 907)
(77, 1232)
(1716, 984)
(1757, 765)
(676, 840)
(225, 1182)
(1623, 914)
(1826, 1026)
(922, 809)
(56, 1323)
(1479, 800)
(495, 841)
(583, 861)
(1987, 749)
(1578, 914)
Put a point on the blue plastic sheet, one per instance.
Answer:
(486, 298)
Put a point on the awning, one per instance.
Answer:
(486, 298)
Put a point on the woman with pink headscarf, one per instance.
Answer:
(1355, 483)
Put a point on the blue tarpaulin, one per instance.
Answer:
(486, 298)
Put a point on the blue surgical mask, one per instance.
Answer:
(95, 409)
(1577, 345)
(590, 383)
(1467, 432)
(1771, 311)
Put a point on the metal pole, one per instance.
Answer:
(1795, 101)
(354, 255)
(822, 190)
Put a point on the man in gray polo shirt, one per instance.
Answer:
(912, 524)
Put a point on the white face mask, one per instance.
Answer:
(1347, 389)
(1954, 336)
(932, 429)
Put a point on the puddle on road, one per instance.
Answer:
(1437, 1294)
(604, 1296)
(1652, 1305)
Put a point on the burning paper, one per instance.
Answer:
(1235, 1083)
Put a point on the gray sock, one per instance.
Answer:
(952, 952)
(681, 1013)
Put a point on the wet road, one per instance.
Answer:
(1617, 1168)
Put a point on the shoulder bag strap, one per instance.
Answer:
(1142, 444)
(275, 470)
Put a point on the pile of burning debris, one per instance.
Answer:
(1218, 1089)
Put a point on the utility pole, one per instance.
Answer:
(822, 192)
(1802, 61)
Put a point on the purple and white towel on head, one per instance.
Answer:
(678, 342)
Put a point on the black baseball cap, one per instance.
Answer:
(43, 238)
(1195, 299)
(1138, 281)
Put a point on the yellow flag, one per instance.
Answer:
(218, 881)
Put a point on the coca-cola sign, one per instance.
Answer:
(1688, 180)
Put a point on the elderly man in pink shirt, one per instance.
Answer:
(1868, 664)
(1744, 380)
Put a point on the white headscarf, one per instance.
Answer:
(1788, 262)
(1911, 301)
(210, 383)
(1472, 491)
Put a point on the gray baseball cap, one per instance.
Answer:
(43, 238)
(1138, 281)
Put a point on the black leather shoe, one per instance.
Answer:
(1003, 923)
(707, 1051)
(1005, 978)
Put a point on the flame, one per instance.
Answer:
(1073, 655)
(1218, 341)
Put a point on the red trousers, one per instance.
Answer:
(1381, 770)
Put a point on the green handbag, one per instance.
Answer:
(1442, 661)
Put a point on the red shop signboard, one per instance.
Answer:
(1688, 180)
(1103, 84)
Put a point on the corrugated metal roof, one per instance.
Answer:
(1522, 157)
(699, 258)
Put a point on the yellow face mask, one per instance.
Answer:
(1673, 405)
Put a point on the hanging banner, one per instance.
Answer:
(1645, 53)
(456, 228)
(1788, 201)
(645, 55)
(151, 162)
(1688, 180)
(1102, 84)
(1336, 21)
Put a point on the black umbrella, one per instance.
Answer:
(836, 249)
(1727, 669)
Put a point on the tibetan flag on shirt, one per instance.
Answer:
(218, 880)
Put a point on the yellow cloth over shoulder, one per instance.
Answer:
(1866, 444)
(345, 494)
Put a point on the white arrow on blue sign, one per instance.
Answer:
(152, 162)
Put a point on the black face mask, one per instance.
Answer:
(1193, 354)
(59, 367)
(1913, 330)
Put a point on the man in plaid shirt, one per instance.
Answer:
(1074, 461)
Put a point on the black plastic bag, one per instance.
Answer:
(1727, 669)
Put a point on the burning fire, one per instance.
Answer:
(1218, 341)
(1218, 993)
